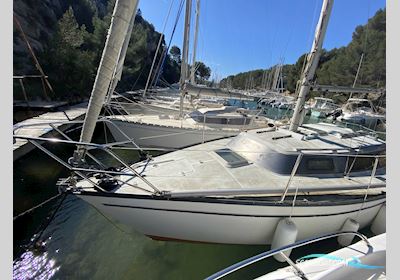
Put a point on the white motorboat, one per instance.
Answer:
(363, 112)
(322, 107)
(277, 101)
(363, 260)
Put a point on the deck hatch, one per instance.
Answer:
(231, 158)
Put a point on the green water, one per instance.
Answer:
(80, 243)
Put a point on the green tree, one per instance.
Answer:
(175, 53)
(203, 72)
(70, 68)
(339, 65)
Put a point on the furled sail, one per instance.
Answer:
(124, 12)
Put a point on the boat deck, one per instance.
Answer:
(188, 123)
(44, 105)
(201, 169)
(22, 147)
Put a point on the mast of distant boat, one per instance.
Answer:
(185, 52)
(123, 13)
(196, 31)
(311, 66)
(358, 71)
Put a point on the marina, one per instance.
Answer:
(178, 174)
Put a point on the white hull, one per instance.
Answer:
(215, 221)
(148, 135)
(338, 266)
(370, 121)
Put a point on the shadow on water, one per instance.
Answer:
(80, 243)
(34, 180)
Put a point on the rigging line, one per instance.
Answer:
(373, 172)
(46, 225)
(309, 41)
(37, 206)
(164, 51)
(113, 223)
(312, 28)
(158, 48)
(137, 79)
(288, 41)
(170, 41)
(364, 46)
(157, 67)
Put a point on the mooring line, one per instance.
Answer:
(37, 206)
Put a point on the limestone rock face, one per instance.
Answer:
(39, 18)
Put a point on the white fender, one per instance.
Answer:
(349, 225)
(379, 223)
(285, 233)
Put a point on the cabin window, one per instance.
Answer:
(365, 163)
(231, 158)
(361, 163)
(319, 164)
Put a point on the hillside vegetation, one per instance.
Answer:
(337, 66)
(68, 38)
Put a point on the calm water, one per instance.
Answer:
(80, 243)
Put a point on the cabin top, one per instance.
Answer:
(310, 137)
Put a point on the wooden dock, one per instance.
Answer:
(22, 147)
(39, 105)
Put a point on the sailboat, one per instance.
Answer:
(314, 179)
(167, 127)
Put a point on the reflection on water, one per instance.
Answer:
(83, 244)
(32, 266)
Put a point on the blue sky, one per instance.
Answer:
(241, 35)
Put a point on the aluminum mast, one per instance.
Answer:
(312, 63)
(185, 51)
(123, 13)
(196, 31)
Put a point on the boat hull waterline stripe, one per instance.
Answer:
(237, 215)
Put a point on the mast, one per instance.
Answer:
(120, 65)
(196, 31)
(185, 52)
(358, 71)
(123, 13)
(312, 63)
(275, 82)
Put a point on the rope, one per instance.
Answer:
(112, 223)
(145, 166)
(37, 206)
(46, 225)
(158, 48)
